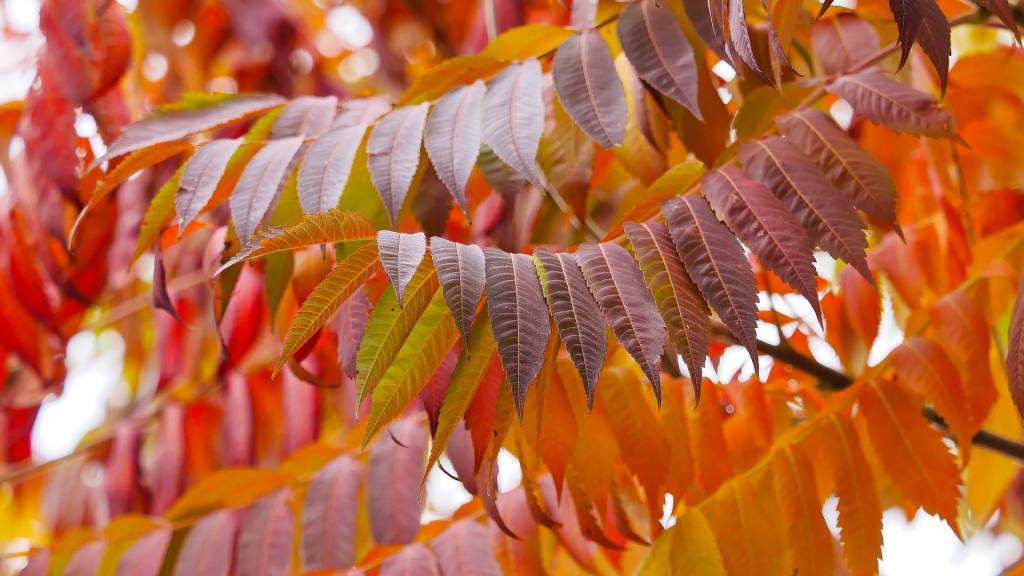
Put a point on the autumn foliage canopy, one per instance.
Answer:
(690, 270)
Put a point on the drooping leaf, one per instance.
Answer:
(177, 124)
(708, 18)
(465, 549)
(393, 496)
(765, 226)
(739, 36)
(1015, 352)
(923, 21)
(329, 513)
(200, 178)
(714, 260)
(687, 547)
(419, 357)
(742, 529)
(924, 367)
(826, 214)
(963, 331)
(861, 177)
(259, 183)
(911, 451)
(327, 166)
(393, 154)
(843, 41)
(265, 539)
(161, 297)
(515, 303)
(809, 539)
(452, 137)
(513, 118)
(1004, 11)
(400, 256)
(460, 269)
(389, 326)
(659, 51)
(576, 314)
(305, 116)
(327, 297)
(678, 299)
(893, 104)
(589, 87)
(838, 458)
(627, 305)
(329, 227)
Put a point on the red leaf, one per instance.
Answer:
(589, 87)
(146, 555)
(392, 491)
(329, 513)
(715, 261)
(519, 321)
(894, 104)
(740, 37)
(765, 226)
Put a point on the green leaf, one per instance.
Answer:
(686, 548)
(158, 215)
(427, 345)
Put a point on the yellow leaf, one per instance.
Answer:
(810, 544)
(524, 42)
(328, 296)
(686, 548)
(711, 454)
(742, 529)
(427, 345)
(226, 488)
(158, 215)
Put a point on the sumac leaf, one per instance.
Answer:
(1015, 352)
(176, 124)
(460, 270)
(659, 51)
(589, 87)
(513, 118)
(685, 313)
(765, 226)
(400, 256)
(327, 167)
(856, 173)
(843, 41)
(305, 116)
(465, 549)
(1004, 11)
(886, 101)
(265, 539)
(584, 14)
(330, 509)
(452, 138)
(739, 36)
(707, 18)
(393, 496)
(826, 214)
(200, 178)
(393, 154)
(412, 560)
(715, 261)
(327, 297)
(797, 494)
(146, 555)
(350, 324)
(259, 184)
(923, 21)
(519, 318)
(627, 305)
(579, 321)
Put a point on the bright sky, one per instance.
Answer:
(924, 546)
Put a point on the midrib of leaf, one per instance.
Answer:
(835, 153)
(582, 41)
(625, 311)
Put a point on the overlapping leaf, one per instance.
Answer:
(393, 496)
(453, 137)
(809, 539)
(825, 213)
(765, 226)
(589, 87)
(265, 539)
(519, 320)
(328, 296)
(177, 124)
(513, 118)
(1015, 352)
(328, 227)
(393, 154)
(739, 37)
(894, 104)
(923, 21)
(862, 178)
(659, 51)
(843, 41)
(329, 514)
(259, 184)
(618, 286)
(200, 178)
(576, 314)
(715, 261)
(460, 270)
(305, 116)
(400, 256)
(679, 301)
(327, 166)
(707, 17)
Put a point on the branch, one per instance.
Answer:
(832, 379)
